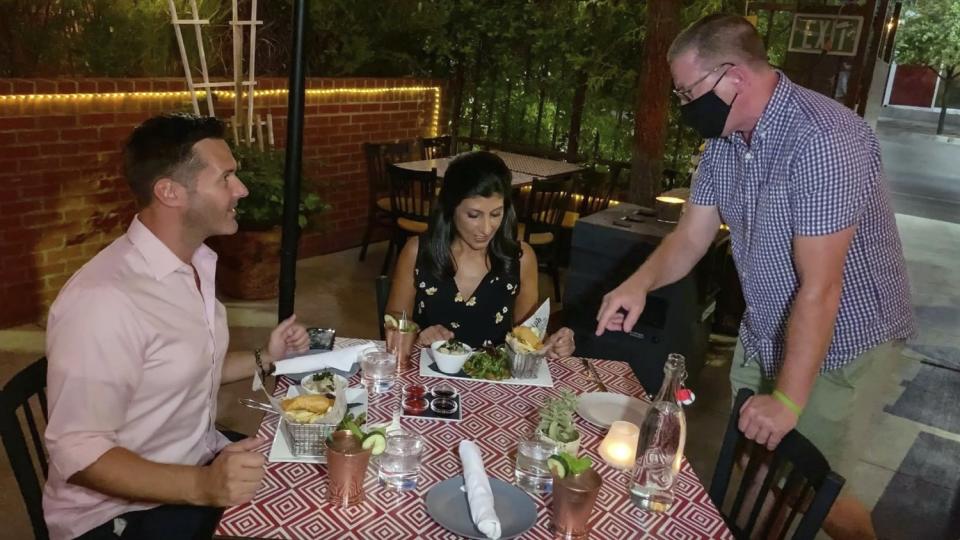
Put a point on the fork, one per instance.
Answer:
(593, 373)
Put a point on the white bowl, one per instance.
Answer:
(450, 364)
(309, 388)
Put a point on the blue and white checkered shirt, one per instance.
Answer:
(812, 168)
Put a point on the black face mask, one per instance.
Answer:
(707, 114)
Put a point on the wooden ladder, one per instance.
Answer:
(240, 86)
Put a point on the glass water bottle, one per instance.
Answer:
(660, 448)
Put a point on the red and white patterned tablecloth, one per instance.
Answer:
(290, 504)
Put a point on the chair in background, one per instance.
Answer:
(541, 213)
(380, 213)
(27, 460)
(592, 192)
(411, 196)
(810, 486)
(435, 147)
(382, 288)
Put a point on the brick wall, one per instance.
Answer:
(62, 198)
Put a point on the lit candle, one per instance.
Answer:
(619, 447)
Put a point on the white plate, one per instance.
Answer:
(543, 377)
(604, 408)
(280, 450)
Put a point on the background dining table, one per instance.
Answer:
(291, 505)
(524, 168)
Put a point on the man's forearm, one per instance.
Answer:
(809, 333)
(241, 364)
(123, 474)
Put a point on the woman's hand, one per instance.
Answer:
(433, 333)
(561, 343)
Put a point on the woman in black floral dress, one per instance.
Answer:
(468, 277)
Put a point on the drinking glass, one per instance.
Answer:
(531, 473)
(401, 339)
(399, 466)
(573, 499)
(346, 468)
(378, 370)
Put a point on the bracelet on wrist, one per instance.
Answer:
(258, 359)
(787, 402)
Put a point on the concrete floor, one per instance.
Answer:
(336, 291)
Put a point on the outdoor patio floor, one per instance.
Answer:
(912, 455)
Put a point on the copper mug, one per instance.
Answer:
(573, 499)
(346, 469)
(400, 341)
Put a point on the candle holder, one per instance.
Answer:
(619, 447)
(669, 205)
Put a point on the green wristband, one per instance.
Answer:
(785, 399)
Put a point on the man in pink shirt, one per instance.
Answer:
(137, 350)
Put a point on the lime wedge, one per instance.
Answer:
(557, 465)
(390, 320)
(375, 442)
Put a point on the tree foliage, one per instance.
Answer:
(929, 36)
(559, 75)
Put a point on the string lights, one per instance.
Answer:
(230, 94)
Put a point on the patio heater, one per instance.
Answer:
(292, 166)
(607, 248)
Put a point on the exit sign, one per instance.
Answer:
(837, 35)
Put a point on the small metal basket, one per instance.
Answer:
(306, 440)
(525, 365)
(310, 440)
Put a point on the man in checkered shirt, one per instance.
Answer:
(797, 177)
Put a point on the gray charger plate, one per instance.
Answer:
(447, 504)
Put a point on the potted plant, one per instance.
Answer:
(556, 422)
(249, 261)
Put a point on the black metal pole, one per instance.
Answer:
(292, 168)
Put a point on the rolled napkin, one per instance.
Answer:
(340, 359)
(479, 494)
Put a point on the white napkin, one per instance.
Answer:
(479, 494)
(540, 318)
(341, 359)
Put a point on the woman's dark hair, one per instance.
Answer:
(163, 146)
(476, 174)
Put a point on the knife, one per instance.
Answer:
(596, 376)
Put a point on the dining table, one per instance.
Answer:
(290, 504)
(524, 168)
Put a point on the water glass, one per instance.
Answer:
(378, 370)
(532, 473)
(399, 466)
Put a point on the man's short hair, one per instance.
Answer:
(719, 38)
(162, 146)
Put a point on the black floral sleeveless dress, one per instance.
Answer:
(484, 318)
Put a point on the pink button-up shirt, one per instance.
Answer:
(135, 357)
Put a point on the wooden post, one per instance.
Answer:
(237, 63)
(251, 83)
(653, 101)
(259, 133)
(183, 56)
(203, 58)
(270, 140)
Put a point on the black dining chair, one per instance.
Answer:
(435, 147)
(412, 194)
(382, 287)
(379, 210)
(795, 474)
(541, 213)
(24, 395)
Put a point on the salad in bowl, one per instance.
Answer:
(450, 355)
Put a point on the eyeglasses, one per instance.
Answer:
(684, 94)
